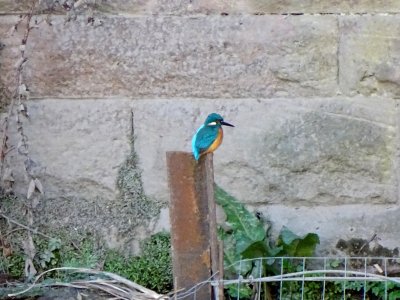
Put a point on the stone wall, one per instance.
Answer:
(311, 86)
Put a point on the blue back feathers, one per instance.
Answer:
(206, 135)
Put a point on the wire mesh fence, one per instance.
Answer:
(306, 278)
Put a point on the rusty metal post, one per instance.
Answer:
(191, 185)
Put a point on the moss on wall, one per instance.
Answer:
(130, 185)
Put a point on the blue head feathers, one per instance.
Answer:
(213, 117)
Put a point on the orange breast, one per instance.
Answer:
(216, 143)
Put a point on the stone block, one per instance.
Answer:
(320, 6)
(296, 152)
(207, 56)
(78, 145)
(14, 6)
(57, 7)
(10, 54)
(368, 55)
(103, 6)
(190, 7)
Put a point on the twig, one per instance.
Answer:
(112, 291)
(174, 292)
(367, 243)
(76, 247)
(35, 231)
(12, 231)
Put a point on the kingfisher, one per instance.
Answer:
(209, 136)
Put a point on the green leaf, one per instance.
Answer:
(286, 236)
(307, 245)
(288, 241)
(260, 249)
(256, 250)
(54, 244)
(335, 263)
(232, 258)
(395, 295)
(243, 223)
(243, 292)
(293, 245)
(242, 241)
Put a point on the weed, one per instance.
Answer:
(153, 269)
(13, 265)
(247, 239)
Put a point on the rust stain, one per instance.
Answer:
(189, 220)
(205, 258)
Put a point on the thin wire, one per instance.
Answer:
(338, 275)
(259, 284)
(365, 281)
(196, 287)
(386, 291)
(239, 275)
(302, 284)
(323, 286)
(281, 283)
(295, 277)
(344, 282)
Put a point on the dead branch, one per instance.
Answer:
(35, 231)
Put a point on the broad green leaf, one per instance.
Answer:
(250, 229)
(293, 245)
(54, 244)
(231, 259)
(286, 236)
(256, 250)
(395, 295)
(260, 249)
(242, 241)
(307, 245)
(335, 263)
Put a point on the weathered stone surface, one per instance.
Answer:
(54, 6)
(321, 6)
(79, 145)
(105, 6)
(369, 53)
(10, 6)
(8, 56)
(182, 7)
(294, 152)
(181, 57)
(9, 51)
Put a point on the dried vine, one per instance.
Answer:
(19, 96)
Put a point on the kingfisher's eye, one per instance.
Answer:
(212, 124)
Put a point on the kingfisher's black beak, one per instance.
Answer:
(226, 124)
